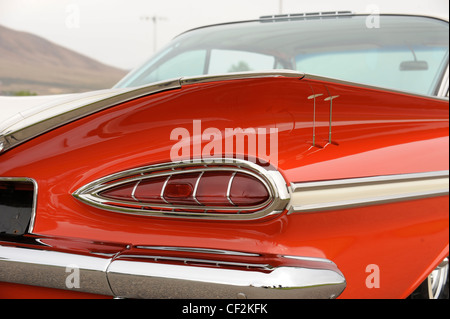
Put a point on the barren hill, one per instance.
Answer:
(31, 63)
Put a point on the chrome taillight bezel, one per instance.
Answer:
(271, 178)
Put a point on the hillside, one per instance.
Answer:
(31, 63)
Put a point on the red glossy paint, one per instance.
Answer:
(17, 291)
(373, 133)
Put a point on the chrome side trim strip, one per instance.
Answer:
(167, 272)
(163, 188)
(199, 250)
(355, 192)
(194, 193)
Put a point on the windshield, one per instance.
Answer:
(405, 53)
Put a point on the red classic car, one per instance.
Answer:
(293, 156)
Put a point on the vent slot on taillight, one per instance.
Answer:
(17, 200)
(230, 189)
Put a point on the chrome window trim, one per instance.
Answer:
(35, 197)
(271, 178)
(357, 192)
(444, 86)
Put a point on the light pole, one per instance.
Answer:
(155, 20)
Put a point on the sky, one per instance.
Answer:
(121, 33)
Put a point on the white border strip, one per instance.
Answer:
(345, 193)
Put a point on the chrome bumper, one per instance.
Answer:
(165, 272)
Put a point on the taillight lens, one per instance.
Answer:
(213, 187)
(180, 189)
(123, 192)
(221, 189)
(247, 190)
(206, 190)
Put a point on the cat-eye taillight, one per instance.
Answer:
(227, 189)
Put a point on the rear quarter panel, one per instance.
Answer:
(373, 132)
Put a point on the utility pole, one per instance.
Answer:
(155, 20)
(280, 6)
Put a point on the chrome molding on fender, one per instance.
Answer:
(354, 192)
(274, 183)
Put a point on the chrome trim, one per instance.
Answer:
(242, 75)
(134, 190)
(188, 261)
(132, 279)
(168, 272)
(437, 280)
(35, 194)
(42, 119)
(194, 193)
(163, 189)
(199, 250)
(356, 192)
(230, 182)
(271, 178)
(185, 272)
(48, 269)
(371, 87)
(443, 88)
(314, 96)
(314, 259)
